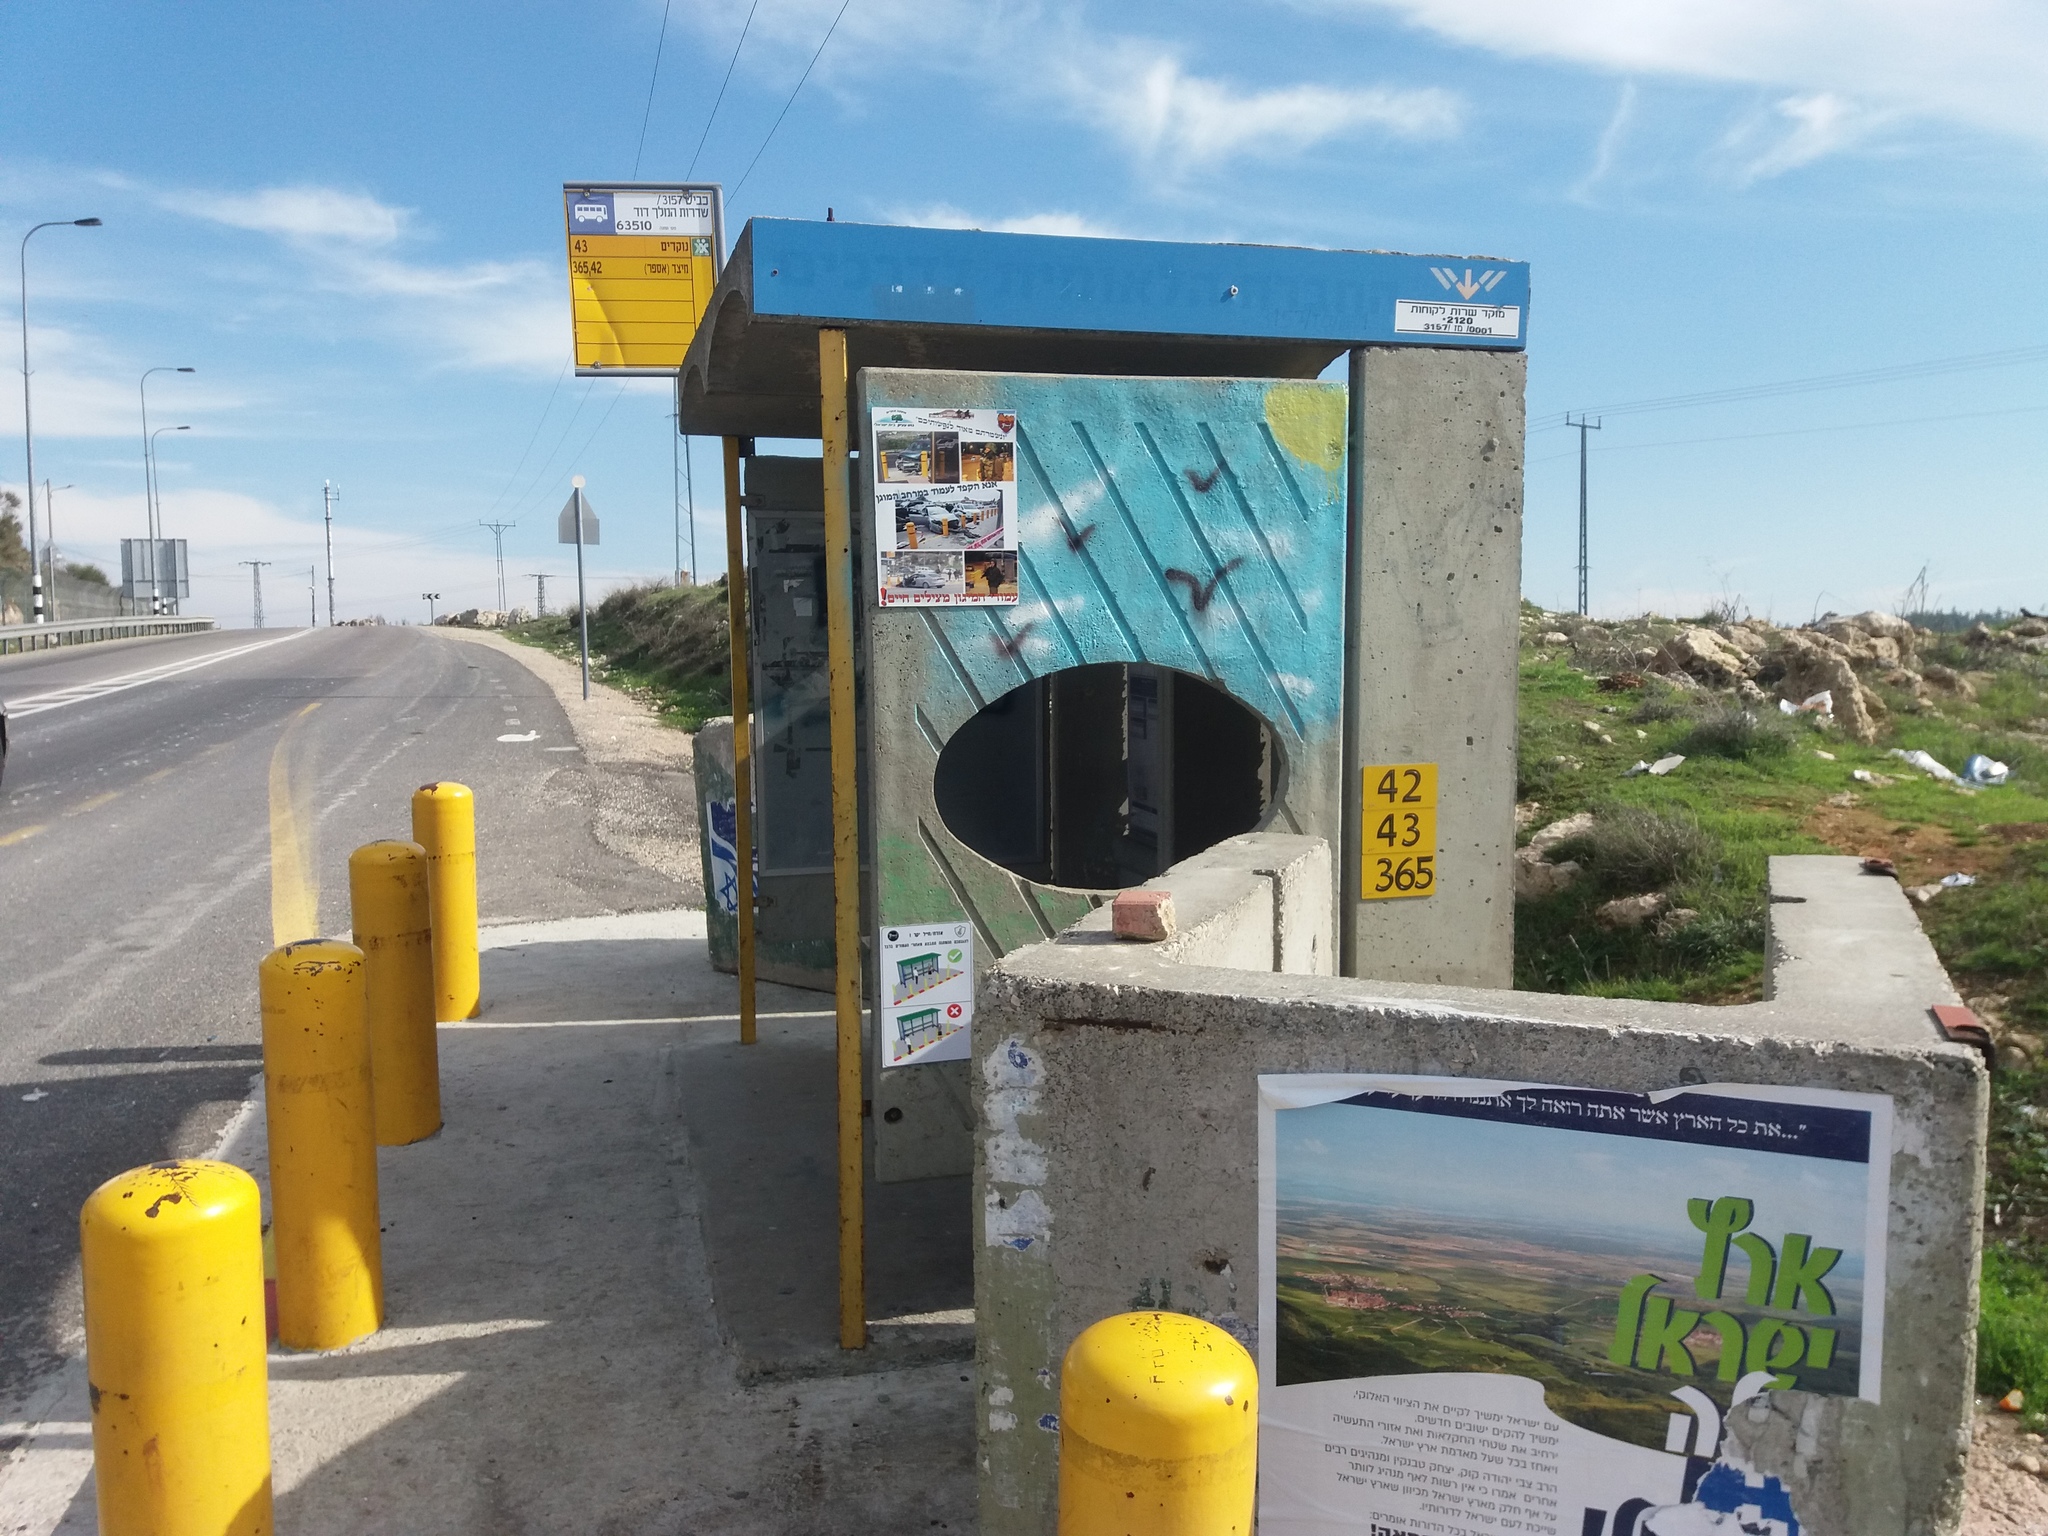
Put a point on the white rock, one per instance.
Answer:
(1631, 911)
(1558, 832)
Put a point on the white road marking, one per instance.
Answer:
(39, 703)
(529, 736)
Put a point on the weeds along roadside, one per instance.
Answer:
(662, 644)
(1753, 784)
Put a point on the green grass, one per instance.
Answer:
(1750, 789)
(664, 645)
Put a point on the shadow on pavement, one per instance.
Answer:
(63, 1138)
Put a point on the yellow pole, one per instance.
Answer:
(1159, 1429)
(444, 823)
(387, 887)
(742, 731)
(174, 1351)
(853, 1319)
(323, 1144)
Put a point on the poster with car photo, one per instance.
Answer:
(945, 488)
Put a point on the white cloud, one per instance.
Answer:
(500, 316)
(1051, 222)
(1146, 98)
(1609, 147)
(297, 213)
(1972, 62)
(77, 395)
(1798, 131)
(1137, 90)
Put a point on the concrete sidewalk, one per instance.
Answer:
(611, 1286)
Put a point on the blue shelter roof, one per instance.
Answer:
(972, 299)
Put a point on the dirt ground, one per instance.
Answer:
(2001, 1498)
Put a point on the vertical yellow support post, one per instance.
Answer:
(742, 730)
(387, 890)
(832, 378)
(1159, 1429)
(444, 823)
(174, 1351)
(323, 1145)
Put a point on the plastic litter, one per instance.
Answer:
(1822, 703)
(1980, 769)
(1828, 755)
(1925, 763)
(1662, 766)
(1875, 780)
(1959, 878)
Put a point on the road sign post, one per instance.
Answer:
(578, 526)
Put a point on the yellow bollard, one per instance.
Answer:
(1159, 1429)
(323, 1145)
(175, 1354)
(444, 823)
(387, 888)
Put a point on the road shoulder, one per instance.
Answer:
(640, 769)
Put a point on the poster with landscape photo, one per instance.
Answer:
(1489, 1302)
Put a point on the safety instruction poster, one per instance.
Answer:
(927, 986)
(945, 507)
(1497, 1306)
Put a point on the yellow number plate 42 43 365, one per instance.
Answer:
(1400, 831)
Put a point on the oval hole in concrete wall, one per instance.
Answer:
(1102, 776)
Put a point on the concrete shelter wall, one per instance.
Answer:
(1438, 449)
(1117, 1153)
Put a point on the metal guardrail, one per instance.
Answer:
(43, 637)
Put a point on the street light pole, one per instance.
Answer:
(149, 518)
(28, 430)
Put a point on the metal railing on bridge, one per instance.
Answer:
(42, 637)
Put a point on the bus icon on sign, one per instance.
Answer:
(592, 213)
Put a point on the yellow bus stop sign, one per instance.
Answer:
(642, 262)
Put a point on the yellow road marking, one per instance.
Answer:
(294, 862)
(94, 803)
(20, 835)
(161, 773)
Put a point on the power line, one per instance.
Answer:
(534, 436)
(644, 116)
(720, 97)
(792, 96)
(1893, 373)
(1851, 426)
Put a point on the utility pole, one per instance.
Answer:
(498, 533)
(312, 597)
(690, 489)
(431, 598)
(256, 573)
(1584, 427)
(329, 496)
(540, 594)
(50, 541)
(675, 489)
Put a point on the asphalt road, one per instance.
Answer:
(136, 834)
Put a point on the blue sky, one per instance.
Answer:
(347, 219)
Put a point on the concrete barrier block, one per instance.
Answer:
(1117, 1158)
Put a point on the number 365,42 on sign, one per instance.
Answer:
(1400, 831)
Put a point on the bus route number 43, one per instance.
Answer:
(1400, 831)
